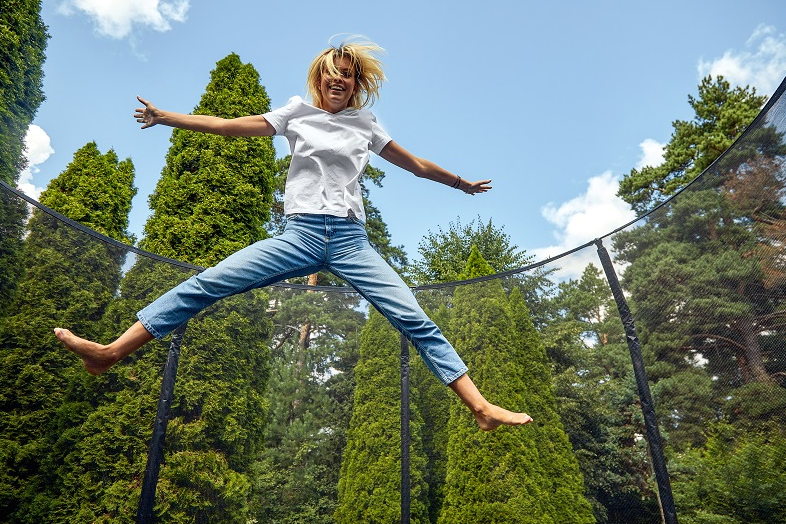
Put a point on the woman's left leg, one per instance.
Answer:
(351, 257)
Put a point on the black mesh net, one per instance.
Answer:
(287, 407)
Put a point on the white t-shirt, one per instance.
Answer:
(329, 154)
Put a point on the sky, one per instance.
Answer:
(553, 101)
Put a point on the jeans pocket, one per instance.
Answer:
(352, 217)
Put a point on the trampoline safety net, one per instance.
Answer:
(656, 381)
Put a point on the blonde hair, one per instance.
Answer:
(365, 63)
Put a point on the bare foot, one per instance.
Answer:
(96, 358)
(492, 417)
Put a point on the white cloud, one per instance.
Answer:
(588, 216)
(762, 64)
(652, 153)
(118, 18)
(38, 148)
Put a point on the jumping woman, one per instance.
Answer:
(330, 141)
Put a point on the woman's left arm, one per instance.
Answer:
(420, 167)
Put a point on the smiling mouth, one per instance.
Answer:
(336, 88)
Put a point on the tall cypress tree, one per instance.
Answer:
(370, 483)
(212, 199)
(519, 474)
(70, 279)
(215, 192)
(23, 40)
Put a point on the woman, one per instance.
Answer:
(330, 143)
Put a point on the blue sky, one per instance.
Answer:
(554, 102)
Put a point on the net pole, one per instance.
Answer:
(668, 509)
(405, 487)
(155, 454)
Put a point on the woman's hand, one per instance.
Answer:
(149, 115)
(470, 188)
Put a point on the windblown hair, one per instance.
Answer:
(365, 63)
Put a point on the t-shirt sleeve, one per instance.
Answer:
(379, 138)
(279, 118)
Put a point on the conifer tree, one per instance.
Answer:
(70, 279)
(370, 483)
(215, 192)
(512, 474)
(721, 114)
(212, 199)
(432, 400)
(23, 39)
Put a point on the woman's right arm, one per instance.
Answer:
(253, 125)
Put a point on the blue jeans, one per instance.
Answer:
(311, 243)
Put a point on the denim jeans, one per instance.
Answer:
(311, 243)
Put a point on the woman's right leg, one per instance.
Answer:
(268, 261)
(96, 357)
(296, 252)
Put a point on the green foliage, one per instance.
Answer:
(702, 305)
(69, 280)
(518, 474)
(704, 275)
(432, 400)
(370, 483)
(597, 400)
(13, 213)
(736, 477)
(444, 255)
(23, 40)
(315, 346)
(95, 190)
(722, 113)
(215, 192)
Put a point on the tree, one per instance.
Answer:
(722, 113)
(737, 477)
(444, 255)
(310, 395)
(597, 400)
(213, 198)
(70, 279)
(215, 192)
(23, 39)
(525, 474)
(370, 483)
(704, 275)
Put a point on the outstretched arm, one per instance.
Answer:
(420, 167)
(253, 125)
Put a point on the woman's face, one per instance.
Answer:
(338, 90)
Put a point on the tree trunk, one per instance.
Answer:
(754, 371)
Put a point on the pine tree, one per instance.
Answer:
(519, 474)
(70, 279)
(23, 39)
(370, 483)
(722, 114)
